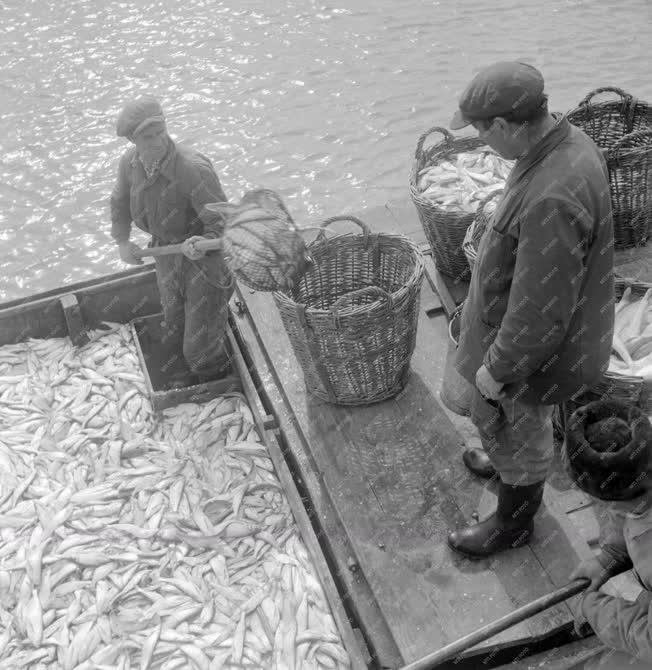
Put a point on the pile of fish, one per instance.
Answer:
(135, 540)
(463, 183)
(632, 340)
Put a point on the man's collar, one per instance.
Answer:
(167, 166)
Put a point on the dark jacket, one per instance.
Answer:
(540, 309)
(169, 205)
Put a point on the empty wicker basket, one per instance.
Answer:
(352, 317)
(622, 128)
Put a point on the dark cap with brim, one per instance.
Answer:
(137, 114)
(507, 88)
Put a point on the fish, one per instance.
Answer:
(121, 543)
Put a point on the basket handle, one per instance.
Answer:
(448, 137)
(631, 140)
(367, 290)
(627, 97)
(344, 217)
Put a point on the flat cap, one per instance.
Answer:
(506, 87)
(604, 460)
(138, 114)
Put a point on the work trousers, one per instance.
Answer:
(517, 436)
(195, 298)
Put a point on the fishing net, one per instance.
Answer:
(261, 243)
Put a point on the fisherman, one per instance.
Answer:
(536, 327)
(163, 188)
(615, 467)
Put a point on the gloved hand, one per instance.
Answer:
(190, 250)
(599, 569)
(128, 251)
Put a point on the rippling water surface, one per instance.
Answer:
(321, 102)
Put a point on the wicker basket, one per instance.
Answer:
(352, 317)
(444, 229)
(629, 160)
(614, 386)
(630, 181)
(476, 230)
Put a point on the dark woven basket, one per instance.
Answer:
(352, 317)
(444, 229)
(613, 386)
(608, 123)
(630, 182)
(476, 230)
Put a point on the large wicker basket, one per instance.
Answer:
(352, 317)
(444, 229)
(476, 230)
(629, 159)
(613, 386)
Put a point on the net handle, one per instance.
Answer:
(344, 217)
(448, 138)
(367, 290)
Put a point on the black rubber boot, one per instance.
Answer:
(477, 461)
(510, 526)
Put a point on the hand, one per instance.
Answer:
(128, 253)
(190, 250)
(487, 385)
(592, 568)
(580, 624)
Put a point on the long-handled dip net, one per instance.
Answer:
(260, 242)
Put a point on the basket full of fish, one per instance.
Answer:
(352, 317)
(449, 181)
(629, 375)
(622, 128)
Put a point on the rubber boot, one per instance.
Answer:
(477, 461)
(510, 526)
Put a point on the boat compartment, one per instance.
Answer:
(159, 364)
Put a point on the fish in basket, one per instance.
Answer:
(352, 316)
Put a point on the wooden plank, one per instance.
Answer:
(357, 596)
(400, 462)
(359, 657)
(79, 286)
(112, 298)
(74, 321)
(438, 285)
(146, 334)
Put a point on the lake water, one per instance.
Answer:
(321, 102)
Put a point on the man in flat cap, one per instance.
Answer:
(163, 189)
(608, 455)
(537, 324)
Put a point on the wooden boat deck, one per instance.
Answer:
(388, 478)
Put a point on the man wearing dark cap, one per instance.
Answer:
(537, 324)
(163, 188)
(608, 455)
